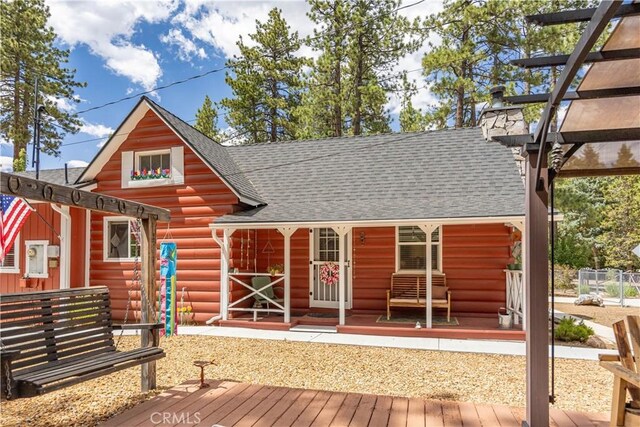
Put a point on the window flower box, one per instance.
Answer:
(150, 174)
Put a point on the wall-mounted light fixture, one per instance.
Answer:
(362, 237)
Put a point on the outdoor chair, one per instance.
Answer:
(259, 283)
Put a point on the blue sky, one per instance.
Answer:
(122, 48)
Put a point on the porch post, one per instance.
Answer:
(148, 296)
(428, 229)
(224, 269)
(287, 232)
(536, 291)
(342, 232)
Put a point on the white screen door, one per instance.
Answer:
(325, 247)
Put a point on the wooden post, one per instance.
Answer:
(225, 261)
(148, 298)
(342, 232)
(536, 295)
(287, 232)
(428, 230)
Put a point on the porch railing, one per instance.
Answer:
(515, 294)
(238, 278)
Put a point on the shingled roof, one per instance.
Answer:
(56, 176)
(423, 175)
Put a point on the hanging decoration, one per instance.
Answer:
(168, 306)
(268, 248)
(330, 273)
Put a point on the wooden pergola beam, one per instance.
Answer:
(33, 189)
(579, 15)
(555, 60)
(599, 21)
(573, 137)
(573, 96)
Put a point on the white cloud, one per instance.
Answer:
(96, 129)
(107, 27)
(187, 49)
(77, 163)
(65, 104)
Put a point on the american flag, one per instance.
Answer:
(14, 213)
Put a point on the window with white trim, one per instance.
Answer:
(153, 168)
(11, 262)
(119, 241)
(412, 249)
(155, 161)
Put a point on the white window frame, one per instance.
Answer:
(151, 182)
(422, 270)
(105, 238)
(15, 269)
(45, 259)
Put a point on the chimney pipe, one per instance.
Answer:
(66, 174)
(497, 96)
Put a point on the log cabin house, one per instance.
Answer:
(447, 204)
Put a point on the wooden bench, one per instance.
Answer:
(54, 339)
(626, 370)
(410, 290)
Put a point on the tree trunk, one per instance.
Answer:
(357, 114)
(472, 102)
(274, 112)
(337, 106)
(17, 144)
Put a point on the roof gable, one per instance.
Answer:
(210, 152)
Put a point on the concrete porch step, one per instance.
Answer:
(315, 328)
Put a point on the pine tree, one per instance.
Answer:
(411, 119)
(207, 119)
(625, 158)
(266, 82)
(588, 158)
(27, 52)
(359, 42)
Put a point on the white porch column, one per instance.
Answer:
(523, 261)
(287, 232)
(224, 244)
(342, 232)
(428, 229)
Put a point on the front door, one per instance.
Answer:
(324, 247)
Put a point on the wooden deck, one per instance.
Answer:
(228, 403)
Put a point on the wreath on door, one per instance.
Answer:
(330, 273)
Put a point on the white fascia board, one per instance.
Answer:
(368, 223)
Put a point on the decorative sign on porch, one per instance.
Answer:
(168, 306)
(330, 273)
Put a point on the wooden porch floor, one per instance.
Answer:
(228, 403)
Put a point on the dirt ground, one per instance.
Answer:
(401, 372)
(606, 316)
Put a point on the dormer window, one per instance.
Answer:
(153, 168)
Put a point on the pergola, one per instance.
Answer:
(36, 190)
(604, 114)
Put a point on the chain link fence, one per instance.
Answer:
(614, 286)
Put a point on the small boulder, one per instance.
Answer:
(590, 299)
(597, 341)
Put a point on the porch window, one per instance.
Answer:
(120, 242)
(412, 249)
(10, 262)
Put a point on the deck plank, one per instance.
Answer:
(469, 415)
(308, 416)
(506, 418)
(451, 414)
(433, 413)
(296, 408)
(380, 415)
(234, 416)
(364, 411)
(330, 410)
(277, 410)
(399, 412)
(258, 411)
(347, 410)
(230, 403)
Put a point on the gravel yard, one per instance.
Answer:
(580, 385)
(606, 315)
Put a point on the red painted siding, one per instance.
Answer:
(35, 228)
(193, 206)
(474, 257)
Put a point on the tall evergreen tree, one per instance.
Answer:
(411, 119)
(207, 119)
(360, 42)
(266, 82)
(28, 52)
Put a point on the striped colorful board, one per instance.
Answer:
(168, 306)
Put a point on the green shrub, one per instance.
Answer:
(630, 292)
(564, 277)
(612, 289)
(569, 330)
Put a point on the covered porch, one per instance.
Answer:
(469, 256)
